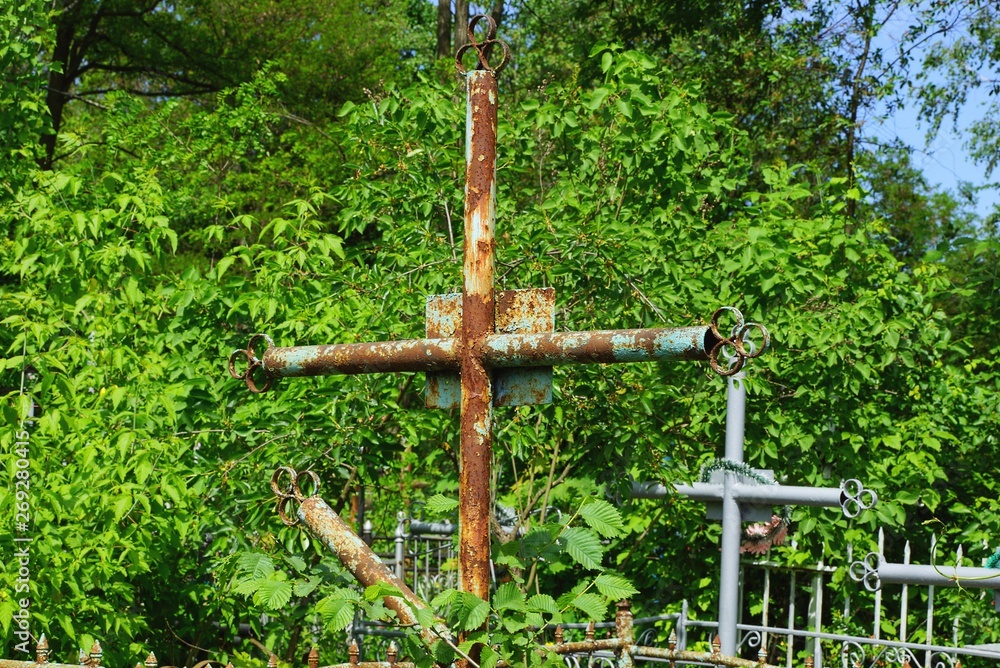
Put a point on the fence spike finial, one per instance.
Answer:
(716, 644)
(313, 658)
(84, 659)
(42, 650)
(590, 632)
(96, 654)
(353, 653)
(272, 661)
(151, 661)
(809, 662)
(391, 653)
(559, 634)
(762, 656)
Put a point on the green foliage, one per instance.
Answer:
(130, 273)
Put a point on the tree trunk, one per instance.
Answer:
(461, 23)
(58, 91)
(444, 29)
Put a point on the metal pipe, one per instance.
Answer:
(432, 528)
(756, 494)
(966, 577)
(603, 346)
(478, 322)
(929, 630)
(498, 351)
(624, 627)
(352, 358)
(732, 525)
(904, 597)
(356, 556)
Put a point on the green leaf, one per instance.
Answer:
(306, 587)
(222, 265)
(473, 612)
(381, 590)
(257, 565)
(337, 613)
(583, 546)
(444, 598)
(614, 586)
(273, 594)
(603, 518)
(592, 605)
(439, 504)
(509, 597)
(543, 603)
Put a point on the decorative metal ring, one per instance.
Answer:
(232, 364)
(481, 47)
(289, 519)
(866, 571)
(296, 484)
(254, 362)
(280, 490)
(855, 498)
(736, 340)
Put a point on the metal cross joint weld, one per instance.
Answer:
(856, 498)
(291, 494)
(254, 363)
(737, 347)
(483, 48)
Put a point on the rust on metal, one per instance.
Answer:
(624, 634)
(483, 48)
(312, 659)
(42, 650)
(353, 552)
(517, 311)
(352, 358)
(607, 346)
(478, 322)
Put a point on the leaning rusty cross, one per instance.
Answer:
(485, 348)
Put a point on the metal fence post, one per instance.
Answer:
(732, 525)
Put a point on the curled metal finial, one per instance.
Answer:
(291, 493)
(855, 498)
(866, 571)
(736, 347)
(254, 362)
(483, 48)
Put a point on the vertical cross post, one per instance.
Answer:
(732, 523)
(478, 322)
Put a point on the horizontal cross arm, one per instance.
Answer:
(823, 497)
(605, 346)
(852, 497)
(499, 351)
(354, 358)
(874, 571)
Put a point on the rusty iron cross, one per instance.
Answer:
(486, 348)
